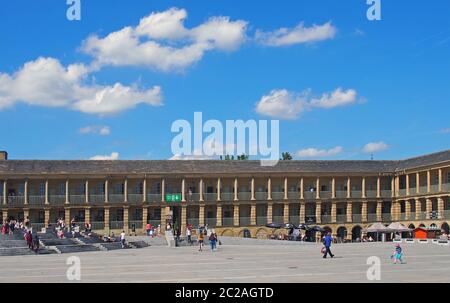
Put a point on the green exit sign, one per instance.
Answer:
(173, 197)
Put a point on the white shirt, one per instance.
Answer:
(188, 232)
(122, 236)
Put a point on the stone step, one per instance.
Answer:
(63, 249)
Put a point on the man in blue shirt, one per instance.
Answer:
(327, 241)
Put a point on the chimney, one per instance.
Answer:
(3, 155)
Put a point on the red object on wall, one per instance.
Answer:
(420, 233)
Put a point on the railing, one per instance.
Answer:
(294, 219)
(154, 222)
(402, 217)
(412, 216)
(57, 199)
(371, 193)
(261, 220)
(434, 188)
(227, 196)
(135, 198)
(116, 198)
(372, 218)
(325, 219)
(386, 193)
(422, 216)
(192, 197)
(341, 218)
(446, 187)
(293, 195)
(227, 222)
(37, 226)
(98, 225)
(341, 194)
(278, 219)
(310, 195)
(79, 199)
(96, 199)
(386, 217)
(36, 200)
(402, 192)
(193, 221)
(244, 221)
(153, 198)
(261, 196)
(325, 194)
(212, 222)
(356, 218)
(356, 193)
(446, 214)
(16, 200)
(210, 197)
(310, 219)
(423, 189)
(137, 224)
(277, 195)
(115, 224)
(244, 195)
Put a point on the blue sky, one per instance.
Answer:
(398, 70)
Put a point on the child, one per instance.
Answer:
(397, 256)
(200, 241)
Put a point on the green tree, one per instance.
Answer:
(286, 156)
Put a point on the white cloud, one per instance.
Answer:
(375, 147)
(98, 130)
(161, 41)
(296, 35)
(46, 82)
(113, 156)
(315, 153)
(445, 130)
(283, 104)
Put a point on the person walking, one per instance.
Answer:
(327, 242)
(148, 227)
(200, 240)
(398, 253)
(213, 240)
(122, 238)
(188, 235)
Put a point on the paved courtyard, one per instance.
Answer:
(237, 263)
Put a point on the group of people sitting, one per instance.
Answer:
(32, 240)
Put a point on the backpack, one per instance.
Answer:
(212, 237)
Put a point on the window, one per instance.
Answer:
(139, 189)
(448, 177)
(61, 189)
(42, 189)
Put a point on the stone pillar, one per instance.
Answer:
(106, 219)
(440, 180)
(378, 187)
(379, 211)
(86, 191)
(349, 211)
(429, 205)
(87, 214)
(302, 212)
(144, 216)
(407, 184)
(269, 189)
(286, 189)
(67, 217)
(144, 192)
(286, 212)
(25, 190)
(333, 188)
(126, 219)
(26, 213)
(219, 187)
(46, 193)
(440, 205)
(47, 217)
(68, 193)
(363, 188)
(269, 212)
(201, 190)
(318, 188)
(163, 197)
(107, 191)
(407, 209)
(201, 214)
(253, 214)
(125, 190)
(349, 187)
(183, 219)
(236, 189)
(417, 183)
(333, 212)
(236, 214)
(394, 210)
(302, 187)
(253, 189)
(393, 187)
(364, 211)
(183, 190)
(318, 212)
(219, 215)
(4, 215)
(5, 193)
(418, 208)
(428, 181)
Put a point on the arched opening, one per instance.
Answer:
(356, 233)
(341, 234)
(228, 233)
(445, 228)
(261, 234)
(422, 225)
(310, 235)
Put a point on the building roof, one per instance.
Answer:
(214, 166)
